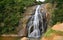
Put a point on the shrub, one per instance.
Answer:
(11, 12)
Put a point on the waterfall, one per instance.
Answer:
(35, 24)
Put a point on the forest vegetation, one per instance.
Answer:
(11, 12)
(57, 14)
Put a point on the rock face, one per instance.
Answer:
(29, 11)
(22, 31)
(57, 34)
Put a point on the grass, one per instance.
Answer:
(50, 31)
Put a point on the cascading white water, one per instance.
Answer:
(35, 23)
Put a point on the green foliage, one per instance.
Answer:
(54, 1)
(57, 14)
(39, 3)
(10, 13)
(49, 1)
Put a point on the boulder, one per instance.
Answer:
(58, 27)
(56, 35)
(24, 38)
(58, 38)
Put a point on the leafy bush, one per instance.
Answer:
(57, 14)
(10, 13)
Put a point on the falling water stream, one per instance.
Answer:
(36, 31)
(35, 24)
